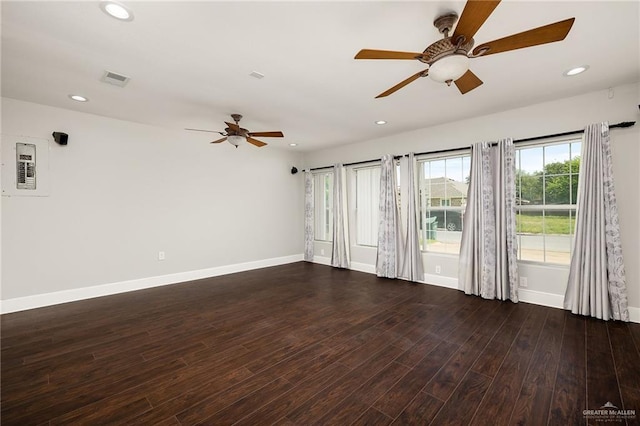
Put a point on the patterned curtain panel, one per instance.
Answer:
(308, 216)
(340, 252)
(488, 251)
(597, 285)
(388, 223)
(412, 268)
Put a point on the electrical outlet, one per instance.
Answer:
(523, 282)
(161, 255)
(438, 269)
(322, 252)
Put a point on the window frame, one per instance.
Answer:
(543, 208)
(457, 154)
(327, 205)
(357, 209)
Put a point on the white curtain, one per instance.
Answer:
(340, 252)
(308, 216)
(488, 263)
(597, 284)
(388, 221)
(412, 268)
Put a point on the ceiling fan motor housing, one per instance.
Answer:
(445, 47)
(240, 132)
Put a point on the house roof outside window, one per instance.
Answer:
(445, 188)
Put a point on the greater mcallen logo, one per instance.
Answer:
(609, 413)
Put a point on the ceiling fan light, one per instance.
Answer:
(235, 139)
(449, 68)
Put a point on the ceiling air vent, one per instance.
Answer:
(115, 78)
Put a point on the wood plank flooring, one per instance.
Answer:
(304, 344)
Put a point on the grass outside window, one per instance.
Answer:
(547, 224)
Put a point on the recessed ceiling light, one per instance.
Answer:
(576, 70)
(381, 122)
(293, 144)
(79, 98)
(116, 10)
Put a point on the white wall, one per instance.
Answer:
(546, 284)
(120, 192)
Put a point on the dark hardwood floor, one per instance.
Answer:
(304, 344)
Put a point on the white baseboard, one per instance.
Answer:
(363, 267)
(529, 296)
(48, 299)
(541, 298)
(526, 295)
(557, 301)
(355, 266)
(441, 281)
(322, 260)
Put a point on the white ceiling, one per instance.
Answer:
(189, 63)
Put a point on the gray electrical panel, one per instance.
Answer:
(26, 166)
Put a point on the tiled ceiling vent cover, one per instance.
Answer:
(115, 78)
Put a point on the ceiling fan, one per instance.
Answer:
(448, 59)
(236, 134)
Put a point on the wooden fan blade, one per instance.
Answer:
(541, 35)
(468, 82)
(220, 140)
(386, 54)
(202, 130)
(255, 142)
(233, 126)
(403, 83)
(267, 134)
(474, 14)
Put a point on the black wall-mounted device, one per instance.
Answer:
(60, 138)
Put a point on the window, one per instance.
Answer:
(546, 189)
(443, 185)
(323, 205)
(367, 202)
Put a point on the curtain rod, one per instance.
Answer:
(442, 151)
